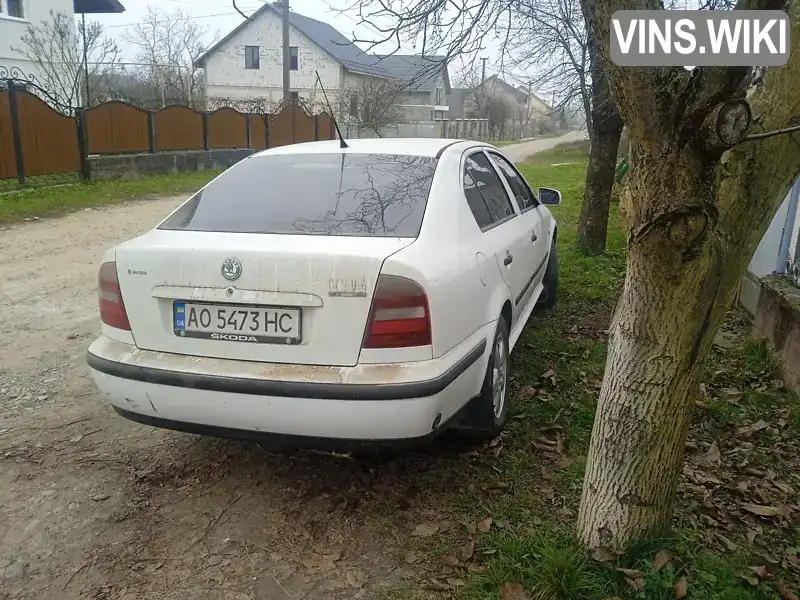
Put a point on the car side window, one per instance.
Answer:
(486, 195)
(525, 198)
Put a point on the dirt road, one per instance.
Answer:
(517, 152)
(93, 506)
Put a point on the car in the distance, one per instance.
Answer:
(365, 294)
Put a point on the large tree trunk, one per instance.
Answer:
(605, 128)
(693, 225)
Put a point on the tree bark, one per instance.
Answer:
(694, 217)
(605, 129)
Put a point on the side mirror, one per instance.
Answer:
(549, 196)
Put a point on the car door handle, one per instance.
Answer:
(508, 259)
(533, 236)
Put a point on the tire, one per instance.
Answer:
(549, 294)
(483, 420)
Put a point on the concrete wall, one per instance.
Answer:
(12, 30)
(226, 76)
(774, 250)
(132, 166)
(777, 319)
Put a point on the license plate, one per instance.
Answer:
(237, 323)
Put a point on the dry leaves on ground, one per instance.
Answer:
(425, 529)
(513, 591)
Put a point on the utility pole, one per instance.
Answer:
(483, 70)
(286, 92)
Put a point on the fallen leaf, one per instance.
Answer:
(513, 591)
(661, 560)
(630, 573)
(455, 582)
(637, 584)
(356, 579)
(485, 525)
(439, 585)
(784, 487)
(761, 572)
(529, 392)
(467, 550)
(469, 526)
(680, 588)
(605, 555)
(753, 428)
(728, 544)
(714, 456)
(751, 536)
(785, 592)
(560, 447)
(760, 510)
(749, 578)
(450, 561)
(475, 568)
(425, 529)
(551, 375)
(412, 557)
(498, 485)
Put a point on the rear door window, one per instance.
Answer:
(486, 195)
(348, 194)
(524, 195)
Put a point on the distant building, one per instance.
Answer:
(247, 64)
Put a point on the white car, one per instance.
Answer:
(364, 294)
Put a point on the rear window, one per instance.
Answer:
(379, 195)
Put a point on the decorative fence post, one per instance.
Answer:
(316, 128)
(151, 132)
(12, 104)
(205, 131)
(266, 126)
(83, 142)
(248, 130)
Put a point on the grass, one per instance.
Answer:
(48, 201)
(531, 539)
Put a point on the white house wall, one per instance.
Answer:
(225, 72)
(12, 30)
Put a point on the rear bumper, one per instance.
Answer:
(245, 400)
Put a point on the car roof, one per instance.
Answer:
(403, 146)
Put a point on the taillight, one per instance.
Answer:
(399, 317)
(112, 310)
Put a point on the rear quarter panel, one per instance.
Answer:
(462, 295)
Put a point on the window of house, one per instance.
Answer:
(353, 106)
(439, 94)
(251, 57)
(293, 60)
(13, 8)
(486, 195)
(524, 195)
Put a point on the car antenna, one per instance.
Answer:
(342, 143)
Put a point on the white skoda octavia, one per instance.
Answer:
(361, 295)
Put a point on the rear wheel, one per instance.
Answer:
(487, 414)
(549, 294)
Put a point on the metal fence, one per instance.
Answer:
(43, 141)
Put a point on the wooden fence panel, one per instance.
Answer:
(117, 128)
(303, 126)
(281, 127)
(8, 160)
(258, 132)
(49, 139)
(227, 128)
(325, 129)
(178, 128)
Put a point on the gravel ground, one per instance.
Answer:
(93, 506)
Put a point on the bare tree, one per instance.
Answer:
(372, 103)
(552, 44)
(169, 43)
(57, 50)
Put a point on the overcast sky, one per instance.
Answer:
(220, 17)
